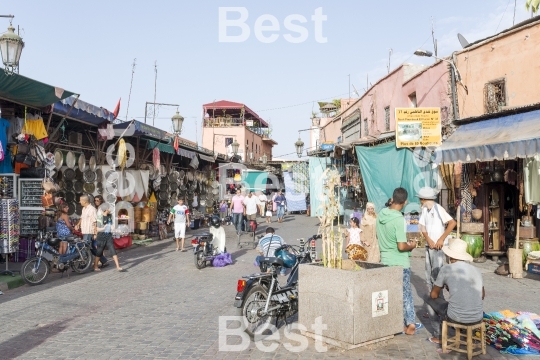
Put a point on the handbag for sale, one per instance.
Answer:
(25, 159)
(23, 148)
(47, 200)
(33, 173)
(50, 186)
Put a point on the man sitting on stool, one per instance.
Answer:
(268, 246)
(464, 283)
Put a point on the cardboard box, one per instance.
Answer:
(527, 232)
(472, 227)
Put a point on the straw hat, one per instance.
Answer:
(427, 193)
(457, 249)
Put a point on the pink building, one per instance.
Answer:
(500, 72)
(226, 121)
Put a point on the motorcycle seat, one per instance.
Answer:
(69, 238)
(275, 261)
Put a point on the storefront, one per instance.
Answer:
(491, 167)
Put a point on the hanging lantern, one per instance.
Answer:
(264, 158)
(299, 147)
(11, 46)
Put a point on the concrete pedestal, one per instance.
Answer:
(358, 307)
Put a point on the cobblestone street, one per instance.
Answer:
(163, 307)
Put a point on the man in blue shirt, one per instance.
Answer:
(268, 246)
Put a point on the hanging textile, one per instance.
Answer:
(35, 127)
(122, 158)
(5, 164)
(156, 158)
(317, 165)
(531, 177)
(447, 174)
(296, 201)
(300, 177)
(466, 195)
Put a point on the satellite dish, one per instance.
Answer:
(464, 43)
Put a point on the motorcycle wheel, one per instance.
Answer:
(81, 266)
(254, 302)
(32, 274)
(200, 261)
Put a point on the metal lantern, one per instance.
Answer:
(235, 145)
(315, 121)
(11, 46)
(299, 147)
(177, 121)
(264, 158)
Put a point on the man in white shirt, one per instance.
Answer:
(263, 200)
(435, 224)
(251, 203)
(180, 213)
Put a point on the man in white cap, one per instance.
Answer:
(435, 224)
(465, 285)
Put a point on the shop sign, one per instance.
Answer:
(327, 147)
(379, 303)
(249, 123)
(418, 127)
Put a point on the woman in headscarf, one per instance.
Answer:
(369, 235)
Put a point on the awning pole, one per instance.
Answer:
(63, 119)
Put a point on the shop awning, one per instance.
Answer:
(137, 128)
(507, 137)
(26, 91)
(83, 111)
(165, 148)
(207, 158)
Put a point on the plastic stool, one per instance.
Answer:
(456, 342)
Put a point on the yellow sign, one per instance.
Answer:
(418, 127)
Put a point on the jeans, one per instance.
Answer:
(408, 303)
(434, 262)
(280, 211)
(237, 221)
(90, 237)
(436, 309)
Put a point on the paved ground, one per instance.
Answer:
(163, 307)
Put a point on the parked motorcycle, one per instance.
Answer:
(77, 257)
(260, 299)
(203, 249)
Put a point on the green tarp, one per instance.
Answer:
(25, 91)
(255, 180)
(166, 148)
(385, 168)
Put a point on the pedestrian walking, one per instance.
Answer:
(87, 225)
(269, 212)
(180, 213)
(280, 203)
(251, 204)
(103, 236)
(262, 201)
(395, 251)
(223, 207)
(237, 209)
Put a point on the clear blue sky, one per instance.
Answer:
(88, 47)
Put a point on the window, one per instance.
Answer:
(387, 118)
(412, 100)
(228, 141)
(494, 96)
(366, 132)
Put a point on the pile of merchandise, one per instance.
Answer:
(513, 333)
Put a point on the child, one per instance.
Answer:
(353, 233)
(223, 207)
(269, 212)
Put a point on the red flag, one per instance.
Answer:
(117, 109)
(176, 143)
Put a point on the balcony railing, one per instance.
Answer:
(237, 122)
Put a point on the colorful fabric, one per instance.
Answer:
(300, 177)
(512, 335)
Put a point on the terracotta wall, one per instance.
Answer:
(247, 140)
(513, 56)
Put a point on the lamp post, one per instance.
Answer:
(455, 76)
(235, 145)
(299, 147)
(11, 46)
(156, 103)
(315, 121)
(264, 158)
(177, 121)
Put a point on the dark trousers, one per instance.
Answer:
(90, 237)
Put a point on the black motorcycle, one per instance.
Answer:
(77, 257)
(260, 299)
(203, 249)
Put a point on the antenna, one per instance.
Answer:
(349, 86)
(355, 91)
(433, 36)
(131, 85)
(389, 57)
(464, 43)
(155, 90)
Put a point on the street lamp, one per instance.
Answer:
(11, 46)
(426, 53)
(177, 121)
(264, 158)
(235, 145)
(315, 121)
(299, 147)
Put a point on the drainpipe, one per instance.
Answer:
(454, 90)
